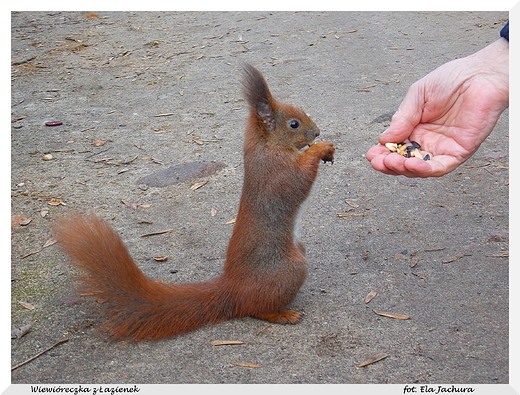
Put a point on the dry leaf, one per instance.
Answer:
(17, 219)
(50, 242)
(26, 305)
(414, 261)
(99, 143)
(17, 333)
(352, 204)
(370, 296)
(452, 259)
(160, 258)
(374, 359)
(26, 221)
(133, 206)
(226, 342)
(245, 365)
(56, 202)
(198, 185)
(392, 315)
(504, 254)
(498, 237)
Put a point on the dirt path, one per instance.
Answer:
(161, 89)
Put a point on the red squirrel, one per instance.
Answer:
(265, 262)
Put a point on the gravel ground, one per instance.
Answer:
(162, 89)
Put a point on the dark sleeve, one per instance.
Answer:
(505, 31)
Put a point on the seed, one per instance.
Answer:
(391, 146)
(416, 153)
(408, 151)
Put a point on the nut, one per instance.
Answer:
(407, 150)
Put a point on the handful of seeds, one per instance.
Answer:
(407, 150)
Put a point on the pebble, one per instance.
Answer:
(53, 123)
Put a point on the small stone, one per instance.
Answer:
(53, 123)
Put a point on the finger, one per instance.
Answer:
(392, 163)
(378, 163)
(416, 167)
(376, 150)
(396, 164)
(436, 167)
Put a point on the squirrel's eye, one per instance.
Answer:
(294, 124)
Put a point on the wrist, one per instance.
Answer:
(492, 62)
(495, 56)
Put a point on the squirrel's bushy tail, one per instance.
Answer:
(138, 307)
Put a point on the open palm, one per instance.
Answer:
(450, 112)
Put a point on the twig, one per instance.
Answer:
(39, 354)
(100, 152)
(18, 63)
(29, 254)
(374, 359)
(167, 114)
(130, 161)
(158, 233)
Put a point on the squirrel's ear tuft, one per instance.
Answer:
(258, 96)
(267, 114)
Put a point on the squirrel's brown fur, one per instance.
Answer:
(265, 262)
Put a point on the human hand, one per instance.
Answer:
(449, 112)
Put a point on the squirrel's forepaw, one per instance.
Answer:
(328, 150)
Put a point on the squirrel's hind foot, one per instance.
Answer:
(281, 317)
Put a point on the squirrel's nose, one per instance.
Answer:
(312, 133)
